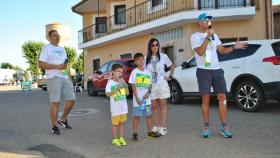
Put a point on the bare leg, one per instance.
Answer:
(163, 111)
(205, 107)
(121, 126)
(135, 124)
(149, 123)
(53, 113)
(155, 105)
(222, 107)
(67, 109)
(114, 131)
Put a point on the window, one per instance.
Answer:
(156, 2)
(104, 67)
(192, 62)
(96, 64)
(120, 17)
(240, 53)
(228, 40)
(126, 56)
(100, 26)
(276, 48)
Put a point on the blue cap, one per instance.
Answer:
(204, 16)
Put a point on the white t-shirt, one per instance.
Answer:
(142, 82)
(53, 55)
(118, 103)
(159, 68)
(210, 56)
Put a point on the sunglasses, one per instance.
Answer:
(155, 45)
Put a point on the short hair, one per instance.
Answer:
(137, 56)
(52, 31)
(116, 66)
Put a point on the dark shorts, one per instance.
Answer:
(211, 78)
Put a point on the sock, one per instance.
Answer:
(224, 124)
(206, 124)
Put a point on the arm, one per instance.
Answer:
(45, 65)
(109, 94)
(172, 67)
(222, 50)
(138, 100)
(200, 50)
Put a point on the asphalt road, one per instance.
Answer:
(25, 131)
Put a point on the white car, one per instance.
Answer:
(252, 75)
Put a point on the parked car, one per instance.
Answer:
(252, 75)
(97, 81)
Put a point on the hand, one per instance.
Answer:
(61, 66)
(118, 88)
(239, 45)
(170, 78)
(147, 95)
(210, 32)
(139, 102)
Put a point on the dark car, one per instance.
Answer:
(97, 81)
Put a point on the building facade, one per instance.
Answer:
(115, 29)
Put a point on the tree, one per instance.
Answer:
(79, 64)
(6, 66)
(71, 55)
(31, 51)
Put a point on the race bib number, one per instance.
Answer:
(143, 80)
(154, 77)
(120, 94)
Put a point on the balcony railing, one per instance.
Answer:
(148, 11)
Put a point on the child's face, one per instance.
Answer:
(140, 62)
(118, 72)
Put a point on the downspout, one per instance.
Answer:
(266, 19)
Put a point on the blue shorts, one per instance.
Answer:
(146, 112)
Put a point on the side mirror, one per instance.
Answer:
(185, 65)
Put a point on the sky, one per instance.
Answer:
(23, 20)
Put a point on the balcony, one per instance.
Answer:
(150, 11)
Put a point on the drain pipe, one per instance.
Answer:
(266, 19)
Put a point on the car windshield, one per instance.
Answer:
(276, 48)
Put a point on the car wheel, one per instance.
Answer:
(90, 89)
(249, 96)
(176, 96)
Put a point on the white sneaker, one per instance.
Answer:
(162, 131)
(155, 129)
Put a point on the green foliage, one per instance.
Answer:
(79, 64)
(71, 54)
(6, 66)
(31, 51)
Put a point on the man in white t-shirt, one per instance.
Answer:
(53, 59)
(205, 43)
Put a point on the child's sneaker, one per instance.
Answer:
(162, 131)
(155, 129)
(225, 132)
(153, 135)
(116, 142)
(206, 133)
(135, 136)
(122, 141)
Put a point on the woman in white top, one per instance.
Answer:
(156, 62)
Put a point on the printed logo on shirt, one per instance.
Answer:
(120, 95)
(143, 80)
(58, 52)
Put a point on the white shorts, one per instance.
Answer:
(160, 90)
